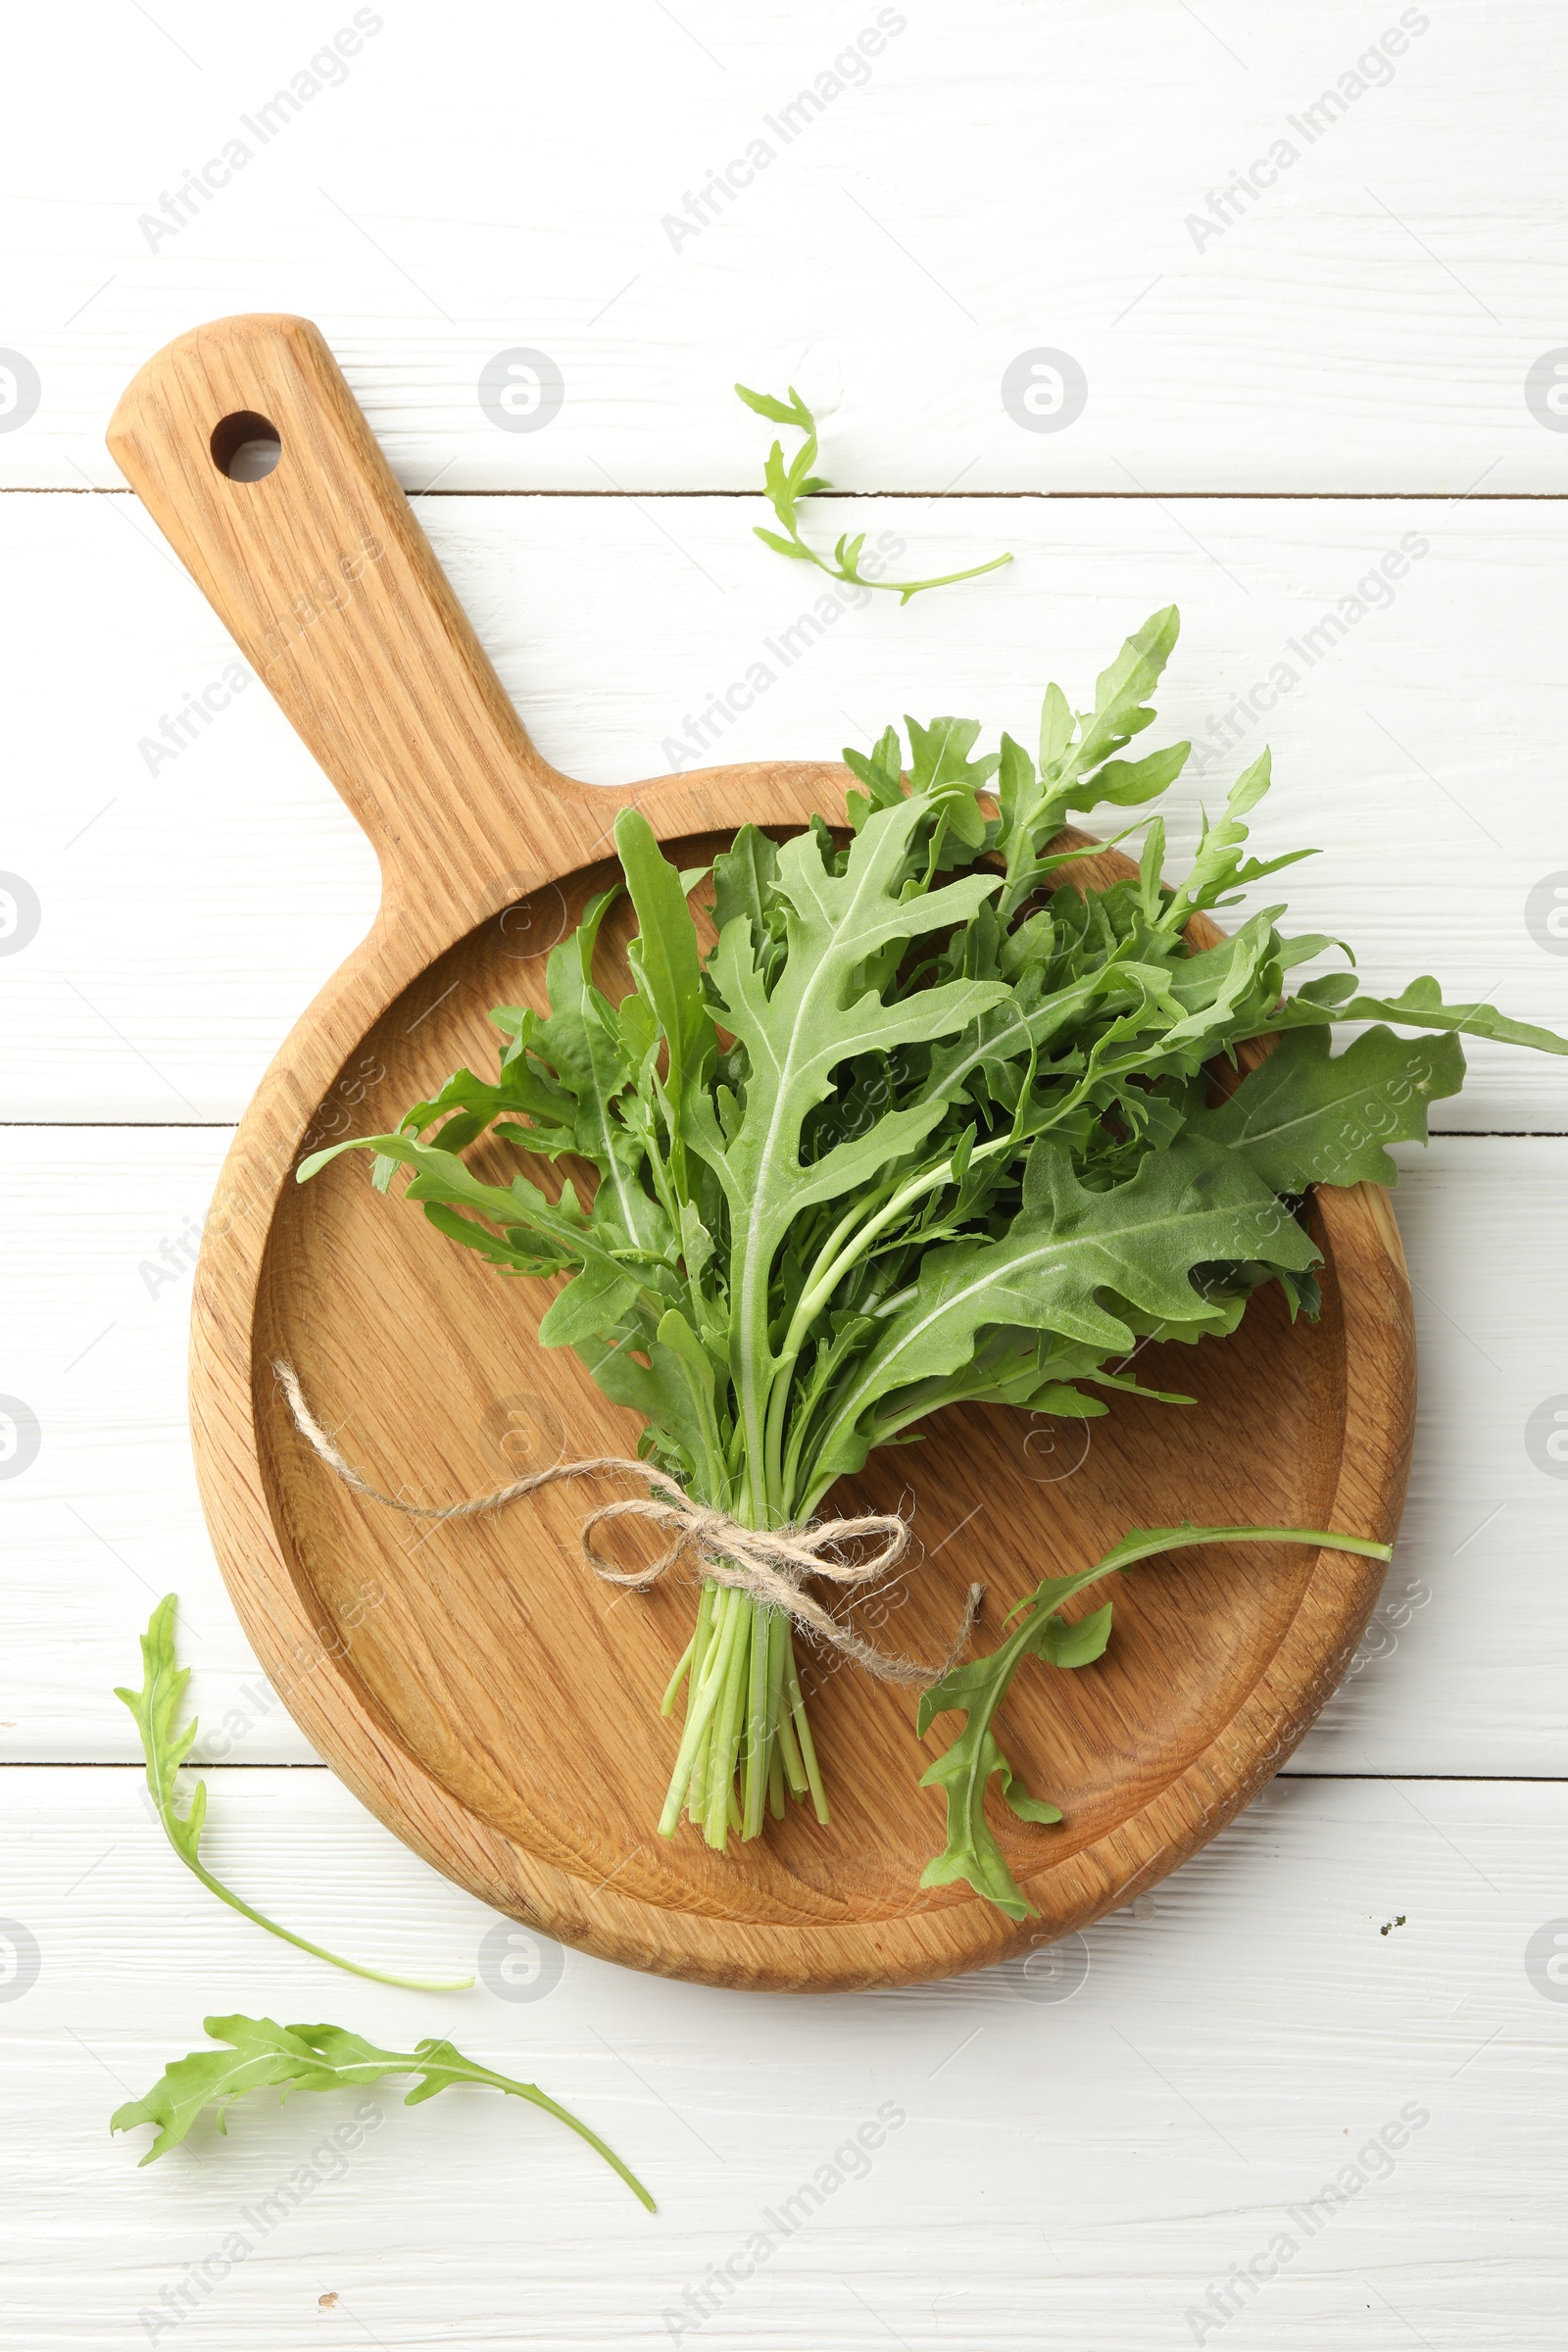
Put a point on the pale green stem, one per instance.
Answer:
(789, 1748)
(802, 1732)
(759, 1726)
(703, 1699)
(667, 1704)
(724, 1738)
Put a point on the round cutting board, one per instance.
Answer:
(491, 1702)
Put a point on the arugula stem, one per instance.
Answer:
(701, 1703)
(667, 1704)
(803, 1732)
(848, 1243)
(728, 1720)
(758, 1722)
(351, 1968)
(822, 1284)
(542, 2098)
(789, 1748)
(902, 589)
(746, 1741)
(1144, 1543)
(779, 1638)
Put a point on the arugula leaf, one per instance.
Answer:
(1077, 772)
(259, 2054)
(1186, 1207)
(787, 485)
(1219, 867)
(156, 1707)
(977, 1689)
(663, 954)
(746, 883)
(1303, 1119)
(1421, 1007)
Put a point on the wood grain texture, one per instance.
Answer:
(530, 1786)
(1001, 180)
(1074, 2169)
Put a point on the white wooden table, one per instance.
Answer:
(1191, 2132)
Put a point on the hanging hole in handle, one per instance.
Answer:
(246, 447)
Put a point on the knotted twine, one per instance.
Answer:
(770, 1564)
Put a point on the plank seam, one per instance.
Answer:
(1445, 498)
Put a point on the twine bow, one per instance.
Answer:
(770, 1564)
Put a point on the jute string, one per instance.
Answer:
(770, 1564)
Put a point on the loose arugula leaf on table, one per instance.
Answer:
(977, 1689)
(259, 2054)
(156, 1707)
(787, 485)
(929, 1122)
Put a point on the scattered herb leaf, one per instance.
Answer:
(156, 1708)
(787, 485)
(258, 2053)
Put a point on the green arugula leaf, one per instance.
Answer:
(674, 1390)
(794, 411)
(746, 883)
(664, 954)
(1303, 1119)
(1121, 696)
(605, 1285)
(787, 485)
(156, 1707)
(1218, 866)
(259, 2054)
(1186, 1207)
(1077, 772)
(977, 1689)
(1421, 1007)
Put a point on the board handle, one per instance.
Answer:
(325, 581)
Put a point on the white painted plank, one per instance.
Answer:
(989, 184)
(1463, 1672)
(1077, 2170)
(189, 914)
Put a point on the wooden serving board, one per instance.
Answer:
(493, 1704)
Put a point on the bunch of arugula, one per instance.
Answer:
(926, 1125)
